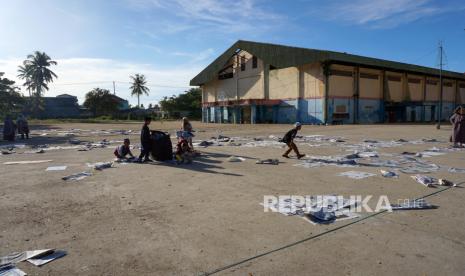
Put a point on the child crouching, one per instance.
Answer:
(184, 153)
(122, 151)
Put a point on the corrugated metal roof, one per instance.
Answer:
(281, 56)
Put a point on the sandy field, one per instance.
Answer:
(167, 219)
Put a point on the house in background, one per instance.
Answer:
(61, 106)
(266, 83)
(122, 103)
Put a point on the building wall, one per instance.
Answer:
(284, 83)
(250, 81)
(448, 90)
(209, 91)
(247, 84)
(415, 87)
(313, 81)
(395, 90)
(370, 84)
(432, 89)
(461, 94)
(300, 91)
(339, 84)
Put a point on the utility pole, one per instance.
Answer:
(114, 88)
(438, 126)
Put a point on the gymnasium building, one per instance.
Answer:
(265, 83)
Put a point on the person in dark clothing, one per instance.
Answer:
(123, 150)
(458, 127)
(9, 129)
(23, 126)
(146, 141)
(289, 140)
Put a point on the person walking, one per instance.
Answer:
(146, 141)
(458, 127)
(289, 140)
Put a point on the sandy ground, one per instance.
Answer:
(165, 219)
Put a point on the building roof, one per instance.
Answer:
(118, 98)
(281, 56)
(65, 96)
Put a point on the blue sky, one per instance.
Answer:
(170, 41)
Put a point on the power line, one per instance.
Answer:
(122, 82)
(425, 55)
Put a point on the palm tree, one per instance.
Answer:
(36, 73)
(139, 87)
(36, 69)
(24, 74)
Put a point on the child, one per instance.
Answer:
(187, 128)
(183, 152)
(123, 150)
(289, 140)
(146, 141)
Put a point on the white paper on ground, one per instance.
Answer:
(77, 176)
(26, 162)
(424, 180)
(236, 159)
(456, 170)
(56, 168)
(43, 259)
(389, 174)
(11, 270)
(22, 256)
(13, 146)
(340, 216)
(356, 174)
(100, 165)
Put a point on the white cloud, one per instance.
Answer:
(384, 13)
(208, 15)
(77, 76)
(195, 58)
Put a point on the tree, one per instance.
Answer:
(190, 102)
(10, 99)
(36, 73)
(139, 87)
(101, 102)
(24, 74)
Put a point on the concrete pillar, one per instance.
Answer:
(301, 93)
(356, 78)
(253, 114)
(266, 81)
(326, 68)
(384, 86)
(423, 115)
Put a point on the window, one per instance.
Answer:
(394, 78)
(254, 62)
(414, 80)
(341, 73)
(368, 76)
(242, 63)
